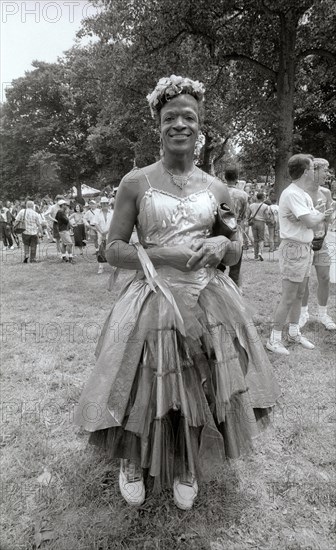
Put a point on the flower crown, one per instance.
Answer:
(169, 87)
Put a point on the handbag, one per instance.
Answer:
(20, 226)
(270, 220)
(317, 243)
(101, 253)
(251, 218)
(226, 223)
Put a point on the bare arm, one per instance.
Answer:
(122, 254)
(312, 220)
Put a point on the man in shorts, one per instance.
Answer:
(64, 231)
(322, 258)
(297, 218)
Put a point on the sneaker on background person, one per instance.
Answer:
(326, 321)
(276, 346)
(299, 339)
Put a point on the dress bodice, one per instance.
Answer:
(167, 220)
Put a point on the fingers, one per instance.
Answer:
(195, 247)
(196, 257)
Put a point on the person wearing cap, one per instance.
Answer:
(88, 219)
(64, 231)
(102, 221)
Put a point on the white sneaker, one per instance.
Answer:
(11, 248)
(277, 347)
(185, 493)
(327, 322)
(299, 339)
(100, 269)
(304, 318)
(131, 483)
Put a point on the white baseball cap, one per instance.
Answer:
(104, 200)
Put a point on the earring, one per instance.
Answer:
(161, 148)
(200, 141)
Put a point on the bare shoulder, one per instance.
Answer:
(326, 192)
(133, 182)
(220, 190)
(130, 182)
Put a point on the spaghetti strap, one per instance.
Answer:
(210, 184)
(144, 173)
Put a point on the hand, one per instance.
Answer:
(328, 212)
(209, 253)
(320, 206)
(179, 256)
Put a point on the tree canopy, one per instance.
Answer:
(268, 67)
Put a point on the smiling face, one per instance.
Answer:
(179, 121)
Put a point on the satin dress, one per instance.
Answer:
(181, 381)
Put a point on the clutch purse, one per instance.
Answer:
(225, 223)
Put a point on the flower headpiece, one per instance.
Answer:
(169, 87)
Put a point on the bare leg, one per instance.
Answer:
(288, 296)
(295, 310)
(323, 278)
(306, 294)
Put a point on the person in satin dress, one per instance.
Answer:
(182, 381)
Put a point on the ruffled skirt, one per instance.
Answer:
(175, 403)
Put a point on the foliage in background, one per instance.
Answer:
(268, 67)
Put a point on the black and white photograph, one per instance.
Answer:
(168, 272)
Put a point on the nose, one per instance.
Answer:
(179, 123)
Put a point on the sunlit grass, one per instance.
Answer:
(280, 497)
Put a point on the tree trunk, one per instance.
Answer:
(206, 164)
(78, 188)
(285, 99)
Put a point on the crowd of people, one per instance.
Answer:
(189, 383)
(68, 224)
(88, 222)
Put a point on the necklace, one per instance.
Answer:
(180, 181)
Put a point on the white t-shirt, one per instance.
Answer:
(101, 223)
(294, 200)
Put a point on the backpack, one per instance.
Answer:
(269, 217)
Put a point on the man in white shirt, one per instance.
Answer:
(102, 221)
(88, 219)
(322, 257)
(297, 218)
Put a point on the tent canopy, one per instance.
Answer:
(87, 191)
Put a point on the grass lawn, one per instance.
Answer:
(60, 494)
